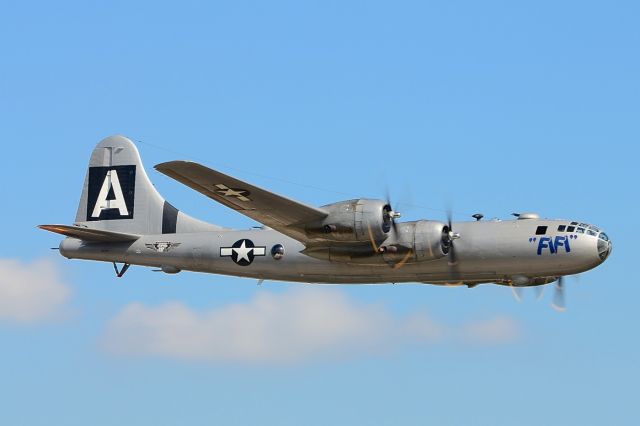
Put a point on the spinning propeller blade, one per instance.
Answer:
(391, 213)
(517, 292)
(539, 292)
(559, 303)
(448, 241)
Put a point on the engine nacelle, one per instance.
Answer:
(425, 239)
(355, 221)
(420, 241)
(430, 240)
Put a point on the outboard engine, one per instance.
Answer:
(358, 221)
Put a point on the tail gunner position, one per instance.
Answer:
(123, 219)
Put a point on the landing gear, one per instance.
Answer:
(121, 272)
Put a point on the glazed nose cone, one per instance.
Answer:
(604, 249)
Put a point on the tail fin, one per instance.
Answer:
(118, 196)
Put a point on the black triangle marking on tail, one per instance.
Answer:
(169, 219)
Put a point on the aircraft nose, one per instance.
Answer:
(604, 246)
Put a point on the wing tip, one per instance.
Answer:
(167, 165)
(51, 228)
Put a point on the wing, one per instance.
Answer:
(273, 210)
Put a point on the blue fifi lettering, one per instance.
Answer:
(553, 244)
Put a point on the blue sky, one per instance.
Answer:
(491, 107)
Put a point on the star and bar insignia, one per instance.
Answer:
(242, 252)
(240, 194)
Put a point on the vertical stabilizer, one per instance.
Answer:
(118, 196)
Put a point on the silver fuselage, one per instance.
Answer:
(503, 252)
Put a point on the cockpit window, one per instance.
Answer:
(571, 228)
(541, 230)
(580, 230)
(590, 232)
(595, 228)
(574, 223)
(604, 236)
(561, 228)
(584, 225)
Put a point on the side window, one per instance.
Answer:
(561, 228)
(541, 230)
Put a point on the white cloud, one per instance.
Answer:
(295, 326)
(30, 292)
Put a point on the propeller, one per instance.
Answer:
(558, 297)
(389, 213)
(448, 237)
(539, 289)
(516, 291)
(558, 303)
(381, 250)
(390, 216)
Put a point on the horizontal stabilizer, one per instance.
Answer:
(91, 235)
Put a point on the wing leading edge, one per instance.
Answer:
(275, 211)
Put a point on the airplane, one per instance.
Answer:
(122, 219)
